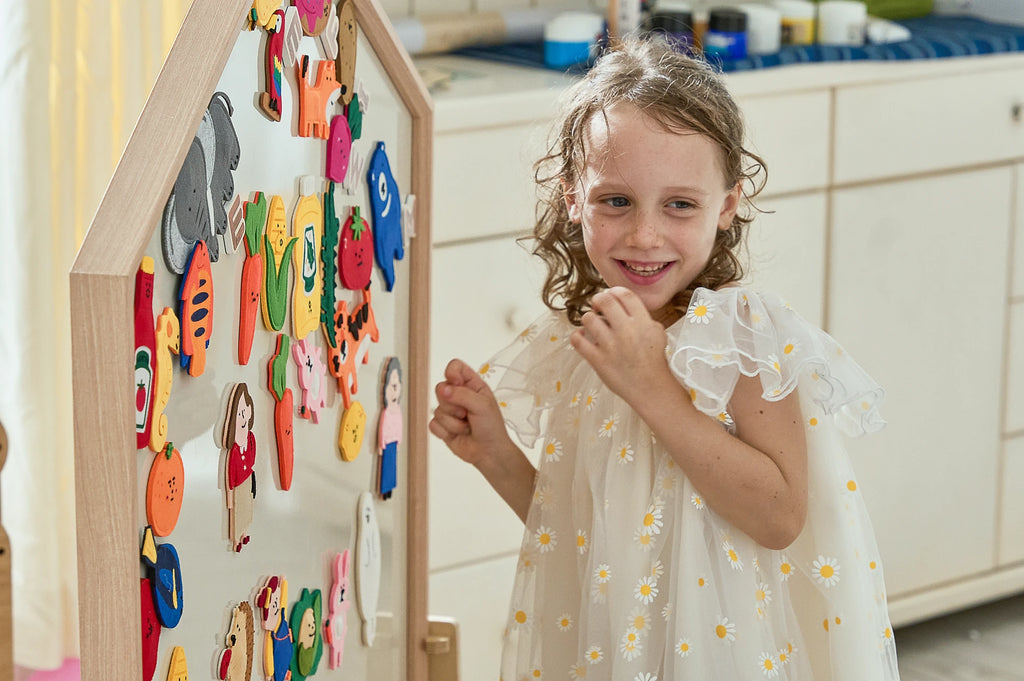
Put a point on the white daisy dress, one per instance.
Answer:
(625, 572)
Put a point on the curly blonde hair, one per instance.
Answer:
(682, 93)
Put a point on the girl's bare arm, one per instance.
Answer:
(469, 421)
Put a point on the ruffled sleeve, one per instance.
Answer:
(529, 375)
(737, 331)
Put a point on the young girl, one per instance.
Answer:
(694, 515)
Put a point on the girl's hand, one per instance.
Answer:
(467, 417)
(623, 343)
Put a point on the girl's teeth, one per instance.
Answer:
(644, 269)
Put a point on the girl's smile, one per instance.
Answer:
(650, 201)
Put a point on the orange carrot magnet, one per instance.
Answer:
(252, 274)
(277, 375)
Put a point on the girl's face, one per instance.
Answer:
(393, 391)
(650, 202)
(243, 412)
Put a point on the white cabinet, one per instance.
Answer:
(915, 295)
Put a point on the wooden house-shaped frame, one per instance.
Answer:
(102, 286)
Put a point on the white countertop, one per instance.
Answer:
(489, 93)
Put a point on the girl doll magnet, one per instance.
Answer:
(389, 429)
(272, 600)
(239, 476)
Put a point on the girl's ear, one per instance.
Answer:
(572, 203)
(730, 205)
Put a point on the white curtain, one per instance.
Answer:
(74, 75)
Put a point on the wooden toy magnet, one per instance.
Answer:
(385, 203)
(252, 275)
(196, 316)
(270, 99)
(263, 13)
(277, 375)
(339, 149)
(165, 490)
(239, 475)
(352, 431)
(272, 600)
(312, 378)
(315, 98)
(328, 38)
(338, 605)
(389, 428)
(292, 36)
(277, 252)
(328, 259)
(236, 224)
(177, 670)
(314, 15)
(355, 253)
(168, 342)
(145, 351)
(345, 64)
(306, 620)
(150, 630)
(236, 659)
(165, 579)
(368, 561)
(308, 226)
(350, 330)
(196, 210)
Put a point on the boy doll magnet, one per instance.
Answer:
(272, 600)
(389, 430)
(239, 477)
(386, 207)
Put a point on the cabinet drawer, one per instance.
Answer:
(483, 294)
(483, 181)
(791, 133)
(1011, 535)
(1015, 371)
(928, 124)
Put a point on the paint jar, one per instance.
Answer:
(764, 28)
(797, 21)
(842, 22)
(672, 21)
(570, 38)
(726, 37)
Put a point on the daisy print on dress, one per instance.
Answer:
(653, 520)
(645, 676)
(630, 646)
(546, 539)
(697, 500)
(609, 426)
(684, 647)
(487, 370)
(666, 612)
(578, 671)
(643, 538)
(581, 541)
(590, 401)
(553, 451)
(594, 654)
(564, 622)
(657, 569)
(786, 652)
(790, 348)
(725, 630)
(624, 455)
(700, 312)
(785, 569)
(520, 619)
(639, 619)
(730, 552)
(646, 590)
(826, 571)
(769, 665)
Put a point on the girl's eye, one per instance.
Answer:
(681, 204)
(617, 202)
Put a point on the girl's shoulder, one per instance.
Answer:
(738, 330)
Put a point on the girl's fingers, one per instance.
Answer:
(596, 327)
(628, 301)
(450, 425)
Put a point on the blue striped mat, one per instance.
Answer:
(932, 37)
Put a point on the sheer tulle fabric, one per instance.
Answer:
(625, 573)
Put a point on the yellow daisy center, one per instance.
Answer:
(732, 556)
(813, 421)
(581, 540)
(603, 574)
(645, 590)
(639, 622)
(649, 519)
(888, 632)
(768, 665)
(827, 571)
(565, 622)
(700, 582)
(700, 310)
(785, 568)
(645, 539)
(558, 386)
(782, 657)
(590, 399)
(545, 539)
(788, 349)
(872, 565)
(631, 637)
(852, 486)
(550, 449)
(684, 647)
(485, 368)
(536, 673)
(520, 617)
(760, 594)
(825, 624)
(721, 631)
(839, 621)
(594, 655)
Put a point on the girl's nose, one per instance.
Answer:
(644, 233)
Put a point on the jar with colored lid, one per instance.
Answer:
(726, 36)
